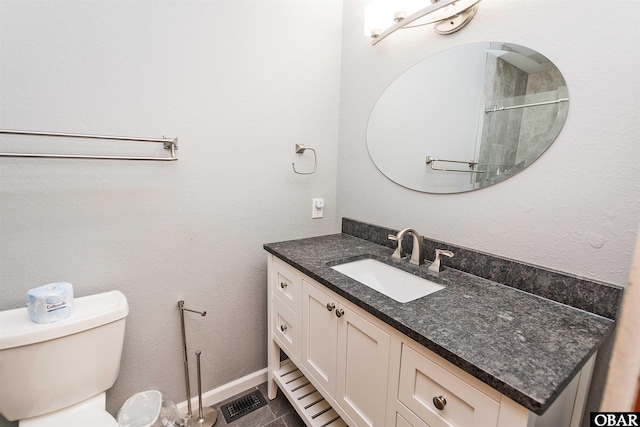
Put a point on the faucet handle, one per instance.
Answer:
(437, 266)
(443, 252)
(399, 252)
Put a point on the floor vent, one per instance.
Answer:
(243, 406)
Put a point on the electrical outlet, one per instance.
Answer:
(317, 208)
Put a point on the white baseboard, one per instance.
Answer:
(225, 391)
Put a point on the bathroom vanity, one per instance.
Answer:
(475, 353)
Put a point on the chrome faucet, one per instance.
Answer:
(417, 253)
(437, 266)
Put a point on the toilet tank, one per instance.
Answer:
(46, 367)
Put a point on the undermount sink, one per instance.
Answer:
(390, 281)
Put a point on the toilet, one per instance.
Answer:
(57, 374)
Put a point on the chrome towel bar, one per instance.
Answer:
(534, 104)
(170, 144)
(431, 160)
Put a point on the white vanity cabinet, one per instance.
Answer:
(346, 355)
(347, 367)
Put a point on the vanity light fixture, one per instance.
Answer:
(384, 17)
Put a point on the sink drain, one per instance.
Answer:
(242, 406)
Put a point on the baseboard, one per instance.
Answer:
(225, 391)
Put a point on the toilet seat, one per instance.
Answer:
(90, 412)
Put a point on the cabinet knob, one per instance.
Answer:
(439, 402)
(339, 312)
(330, 306)
(284, 328)
(283, 285)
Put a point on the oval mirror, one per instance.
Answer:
(467, 117)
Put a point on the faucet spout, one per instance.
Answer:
(417, 253)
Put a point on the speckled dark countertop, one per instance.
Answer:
(527, 347)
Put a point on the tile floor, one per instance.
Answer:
(277, 413)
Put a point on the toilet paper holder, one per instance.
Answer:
(207, 417)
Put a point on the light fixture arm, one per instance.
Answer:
(405, 22)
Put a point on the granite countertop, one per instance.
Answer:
(526, 347)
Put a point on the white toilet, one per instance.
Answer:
(57, 374)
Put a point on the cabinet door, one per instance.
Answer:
(402, 421)
(319, 337)
(363, 366)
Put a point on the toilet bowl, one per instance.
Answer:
(90, 412)
(57, 374)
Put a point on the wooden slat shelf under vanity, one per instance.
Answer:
(308, 402)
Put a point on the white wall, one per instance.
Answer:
(239, 83)
(576, 209)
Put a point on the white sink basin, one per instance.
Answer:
(388, 280)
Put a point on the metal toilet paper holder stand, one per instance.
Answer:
(207, 416)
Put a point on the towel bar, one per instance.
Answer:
(170, 144)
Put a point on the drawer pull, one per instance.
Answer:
(283, 285)
(339, 312)
(330, 306)
(284, 328)
(439, 402)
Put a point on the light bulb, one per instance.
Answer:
(378, 16)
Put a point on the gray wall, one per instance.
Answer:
(576, 209)
(239, 83)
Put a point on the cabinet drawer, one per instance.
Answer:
(462, 405)
(286, 329)
(287, 284)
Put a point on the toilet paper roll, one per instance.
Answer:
(50, 303)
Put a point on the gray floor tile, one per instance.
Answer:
(277, 423)
(280, 405)
(292, 419)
